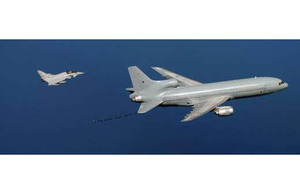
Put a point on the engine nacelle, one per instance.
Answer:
(224, 111)
(156, 88)
(171, 83)
(138, 99)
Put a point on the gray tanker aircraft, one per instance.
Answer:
(204, 98)
(58, 78)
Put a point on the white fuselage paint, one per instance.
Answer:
(242, 88)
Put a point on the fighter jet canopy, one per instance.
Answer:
(71, 71)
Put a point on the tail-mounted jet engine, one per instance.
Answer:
(224, 111)
(171, 83)
(137, 98)
(155, 88)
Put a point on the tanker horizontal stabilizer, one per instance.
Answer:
(147, 106)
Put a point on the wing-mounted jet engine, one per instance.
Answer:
(224, 111)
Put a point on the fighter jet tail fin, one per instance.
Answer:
(42, 74)
(139, 79)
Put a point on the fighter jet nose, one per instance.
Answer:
(80, 73)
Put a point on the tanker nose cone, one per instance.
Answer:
(286, 85)
(283, 85)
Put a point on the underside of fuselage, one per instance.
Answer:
(188, 103)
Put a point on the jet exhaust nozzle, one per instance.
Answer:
(137, 99)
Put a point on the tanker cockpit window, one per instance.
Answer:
(281, 83)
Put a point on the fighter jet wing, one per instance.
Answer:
(56, 81)
(203, 107)
(183, 81)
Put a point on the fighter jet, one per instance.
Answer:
(58, 78)
(203, 97)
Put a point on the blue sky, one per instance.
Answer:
(37, 119)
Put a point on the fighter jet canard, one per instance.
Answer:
(58, 78)
(203, 97)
